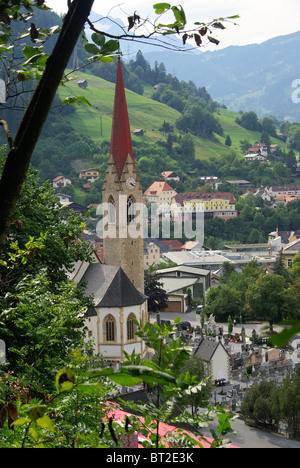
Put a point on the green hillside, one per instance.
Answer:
(238, 133)
(145, 113)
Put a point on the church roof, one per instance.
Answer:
(110, 287)
(121, 144)
(206, 349)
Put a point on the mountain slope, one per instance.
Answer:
(95, 120)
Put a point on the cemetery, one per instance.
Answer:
(244, 362)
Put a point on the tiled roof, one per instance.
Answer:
(157, 188)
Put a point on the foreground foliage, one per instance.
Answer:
(81, 411)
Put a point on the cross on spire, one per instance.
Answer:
(121, 144)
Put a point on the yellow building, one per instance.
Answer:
(213, 205)
(151, 254)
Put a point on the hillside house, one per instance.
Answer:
(170, 175)
(260, 148)
(89, 175)
(63, 198)
(211, 180)
(284, 199)
(242, 184)
(83, 84)
(60, 182)
(251, 157)
(275, 191)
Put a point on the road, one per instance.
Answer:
(248, 437)
(195, 320)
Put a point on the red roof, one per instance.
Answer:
(173, 244)
(58, 178)
(121, 144)
(157, 188)
(205, 197)
(165, 430)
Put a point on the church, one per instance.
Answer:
(117, 284)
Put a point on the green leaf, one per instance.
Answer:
(99, 39)
(125, 379)
(161, 7)
(21, 422)
(213, 40)
(179, 15)
(283, 337)
(110, 47)
(92, 49)
(34, 434)
(65, 380)
(46, 423)
(36, 412)
(83, 100)
(30, 51)
(218, 25)
(89, 389)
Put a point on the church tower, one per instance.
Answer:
(122, 193)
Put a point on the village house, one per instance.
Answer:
(275, 191)
(172, 244)
(251, 157)
(89, 175)
(82, 84)
(258, 148)
(138, 132)
(60, 182)
(152, 251)
(151, 254)
(285, 199)
(178, 280)
(290, 251)
(162, 194)
(170, 175)
(211, 180)
(240, 183)
(63, 198)
(215, 357)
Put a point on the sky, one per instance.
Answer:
(259, 20)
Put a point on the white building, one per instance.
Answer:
(215, 357)
(60, 182)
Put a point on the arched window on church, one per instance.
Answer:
(110, 330)
(112, 209)
(130, 209)
(131, 327)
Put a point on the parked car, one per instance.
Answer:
(199, 309)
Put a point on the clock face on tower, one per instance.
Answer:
(130, 183)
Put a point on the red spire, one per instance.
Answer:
(121, 144)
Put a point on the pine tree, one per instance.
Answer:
(228, 141)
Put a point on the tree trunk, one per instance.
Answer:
(18, 159)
